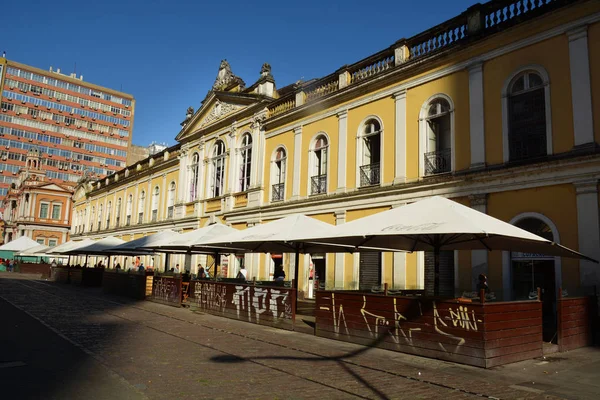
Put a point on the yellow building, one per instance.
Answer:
(493, 108)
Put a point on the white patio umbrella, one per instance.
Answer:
(281, 236)
(70, 245)
(40, 249)
(145, 243)
(194, 240)
(100, 247)
(438, 224)
(20, 244)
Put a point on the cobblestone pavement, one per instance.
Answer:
(170, 353)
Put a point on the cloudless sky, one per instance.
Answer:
(167, 53)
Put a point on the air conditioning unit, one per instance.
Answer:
(43, 118)
(58, 100)
(36, 105)
(67, 124)
(18, 113)
(4, 110)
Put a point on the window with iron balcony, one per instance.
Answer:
(154, 215)
(170, 212)
(438, 156)
(140, 218)
(318, 180)
(370, 171)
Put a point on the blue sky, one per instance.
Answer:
(167, 53)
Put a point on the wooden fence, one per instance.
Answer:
(483, 335)
(272, 306)
(130, 284)
(166, 290)
(574, 322)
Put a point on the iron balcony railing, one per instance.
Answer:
(140, 218)
(278, 192)
(438, 162)
(107, 223)
(170, 212)
(154, 215)
(128, 221)
(369, 174)
(318, 184)
(117, 222)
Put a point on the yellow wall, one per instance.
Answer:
(498, 70)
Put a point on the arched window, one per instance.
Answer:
(527, 130)
(155, 197)
(129, 210)
(245, 162)
(218, 169)
(83, 222)
(171, 200)
(92, 215)
(141, 207)
(318, 166)
(108, 210)
(370, 144)
(278, 170)
(118, 213)
(437, 133)
(100, 216)
(194, 174)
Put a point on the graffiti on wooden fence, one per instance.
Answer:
(245, 302)
(402, 319)
(166, 290)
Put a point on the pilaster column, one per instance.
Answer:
(201, 195)
(400, 138)
(588, 230)
(297, 163)
(479, 258)
(399, 266)
(342, 149)
(340, 218)
(182, 180)
(581, 95)
(476, 123)
(162, 201)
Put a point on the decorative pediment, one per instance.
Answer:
(54, 187)
(218, 111)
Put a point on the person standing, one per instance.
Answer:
(242, 274)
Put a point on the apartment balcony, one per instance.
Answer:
(370, 175)
(318, 184)
(438, 162)
(278, 192)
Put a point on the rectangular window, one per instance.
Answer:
(52, 242)
(40, 241)
(44, 210)
(56, 211)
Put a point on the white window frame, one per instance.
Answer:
(424, 129)
(108, 212)
(47, 204)
(155, 201)
(218, 159)
(141, 206)
(50, 241)
(59, 211)
(276, 171)
(245, 162)
(360, 148)
(541, 71)
(171, 198)
(129, 210)
(312, 161)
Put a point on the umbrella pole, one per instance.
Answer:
(216, 255)
(69, 261)
(86, 261)
(436, 271)
(296, 273)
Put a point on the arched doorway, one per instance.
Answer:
(530, 271)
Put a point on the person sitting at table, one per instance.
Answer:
(201, 272)
(279, 274)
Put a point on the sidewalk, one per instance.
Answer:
(178, 349)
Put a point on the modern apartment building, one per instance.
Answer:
(75, 125)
